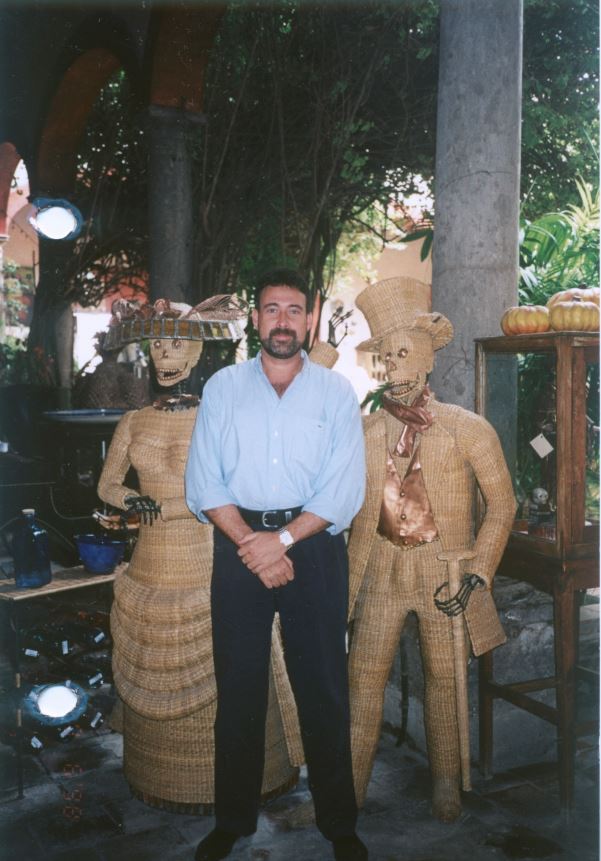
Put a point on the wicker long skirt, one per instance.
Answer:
(169, 763)
(163, 669)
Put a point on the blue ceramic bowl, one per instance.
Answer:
(100, 555)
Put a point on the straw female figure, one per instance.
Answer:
(161, 621)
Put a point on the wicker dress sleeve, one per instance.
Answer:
(480, 446)
(324, 354)
(110, 487)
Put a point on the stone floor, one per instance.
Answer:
(78, 806)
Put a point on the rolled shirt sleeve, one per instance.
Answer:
(340, 488)
(204, 479)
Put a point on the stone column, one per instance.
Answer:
(170, 203)
(52, 325)
(64, 333)
(475, 253)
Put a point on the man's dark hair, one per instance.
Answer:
(283, 277)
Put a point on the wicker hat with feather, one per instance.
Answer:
(220, 318)
(401, 303)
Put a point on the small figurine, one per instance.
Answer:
(539, 504)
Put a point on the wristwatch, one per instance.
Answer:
(285, 538)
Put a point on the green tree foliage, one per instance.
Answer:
(111, 191)
(560, 250)
(313, 113)
(17, 295)
(560, 122)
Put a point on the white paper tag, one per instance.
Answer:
(541, 445)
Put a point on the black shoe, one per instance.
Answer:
(349, 848)
(216, 845)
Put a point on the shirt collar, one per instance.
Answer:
(303, 371)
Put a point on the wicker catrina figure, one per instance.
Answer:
(423, 460)
(161, 618)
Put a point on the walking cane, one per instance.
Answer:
(453, 558)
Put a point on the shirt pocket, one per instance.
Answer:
(308, 445)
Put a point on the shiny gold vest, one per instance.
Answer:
(406, 517)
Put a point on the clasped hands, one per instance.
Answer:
(265, 555)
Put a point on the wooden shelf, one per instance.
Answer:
(62, 581)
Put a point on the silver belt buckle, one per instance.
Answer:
(264, 523)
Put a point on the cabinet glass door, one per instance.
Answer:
(520, 403)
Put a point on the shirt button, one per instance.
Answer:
(276, 433)
(403, 517)
(402, 493)
(275, 460)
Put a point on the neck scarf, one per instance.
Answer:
(414, 418)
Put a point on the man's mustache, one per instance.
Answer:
(282, 331)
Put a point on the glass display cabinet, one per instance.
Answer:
(541, 394)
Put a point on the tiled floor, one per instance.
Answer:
(78, 806)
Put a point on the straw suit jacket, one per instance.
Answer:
(458, 450)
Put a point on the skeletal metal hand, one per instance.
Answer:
(334, 322)
(456, 605)
(145, 506)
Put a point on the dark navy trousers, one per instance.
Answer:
(313, 610)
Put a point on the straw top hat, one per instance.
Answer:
(400, 303)
(220, 318)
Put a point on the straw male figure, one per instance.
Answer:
(423, 461)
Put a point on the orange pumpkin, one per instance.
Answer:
(586, 294)
(525, 319)
(574, 316)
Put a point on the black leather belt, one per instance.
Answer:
(273, 518)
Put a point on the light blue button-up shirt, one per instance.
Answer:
(256, 450)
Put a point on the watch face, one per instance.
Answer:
(286, 539)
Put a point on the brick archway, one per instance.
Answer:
(181, 43)
(67, 116)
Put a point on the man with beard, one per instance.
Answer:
(277, 464)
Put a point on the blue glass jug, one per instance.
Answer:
(31, 552)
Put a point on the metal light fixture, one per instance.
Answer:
(55, 704)
(56, 218)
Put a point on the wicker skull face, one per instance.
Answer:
(408, 357)
(174, 359)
